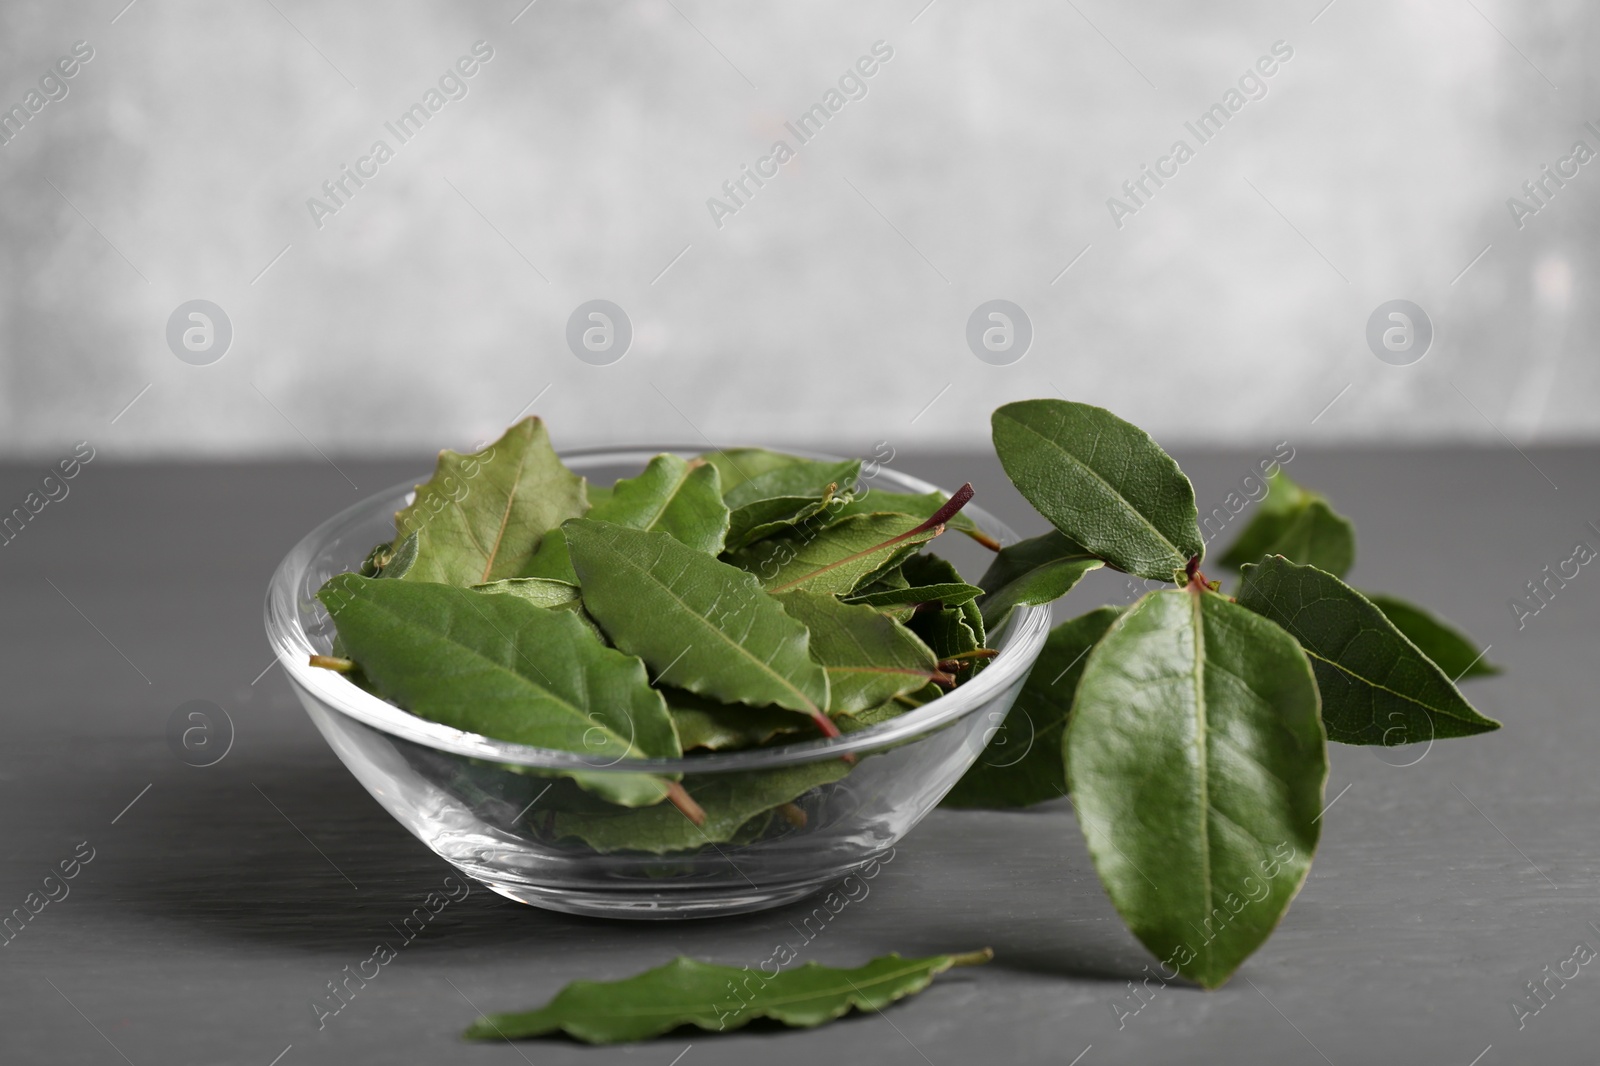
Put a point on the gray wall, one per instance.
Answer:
(832, 307)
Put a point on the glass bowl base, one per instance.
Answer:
(648, 905)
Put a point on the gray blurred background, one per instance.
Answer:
(831, 308)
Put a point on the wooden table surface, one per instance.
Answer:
(217, 902)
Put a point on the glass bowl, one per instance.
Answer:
(494, 810)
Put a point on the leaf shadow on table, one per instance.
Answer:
(286, 849)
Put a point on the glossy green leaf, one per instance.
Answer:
(869, 658)
(1451, 650)
(837, 560)
(718, 998)
(1317, 536)
(1102, 482)
(1196, 764)
(1272, 515)
(673, 495)
(1022, 763)
(708, 725)
(729, 800)
(698, 623)
(1037, 570)
(481, 516)
(1377, 686)
(499, 666)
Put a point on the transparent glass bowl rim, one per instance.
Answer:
(1021, 640)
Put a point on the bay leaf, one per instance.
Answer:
(948, 631)
(1377, 686)
(837, 560)
(714, 726)
(1317, 536)
(539, 591)
(1273, 513)
(800, 492)
(688, 992)
(481, 516)
(869, 658)
(1451, 650)
(1037, 570)
(1196, 764)
(698, 623)
(673, 495)
(501, 667)
(1022, 764)
(921, 504)
(1102, 482)
(740, 465)
(729, 800)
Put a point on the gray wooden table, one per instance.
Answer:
(219, 901)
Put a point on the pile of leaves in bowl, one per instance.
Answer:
(746, 598)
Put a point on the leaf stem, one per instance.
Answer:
(334, 663)
(972, 958)
(679, 797)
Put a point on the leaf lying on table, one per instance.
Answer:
(698, 623)
(729, 800)
(718, 998)
(1022, 763)
(1037, 570)
(869, 658)
(481, 516)
(1377, 687)
(1196, 764)
(1102, 482)
(673, 495)
(1450, 649)
(499, 666)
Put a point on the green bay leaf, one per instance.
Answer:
(698, 623)
(502, 667)
(718, 998)
(838, 559)
(1196, 764)
(1377, 686)
(870, 658)
(1037, 570)
(673, 495)
(714, 726)
(1022, 763)
(1317, 536)
(921, 504)
(1273, 513)
(729, 801)
(1451, 650)
(481, 516)
(1102, 482)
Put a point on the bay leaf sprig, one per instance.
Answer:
(1190, 729)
